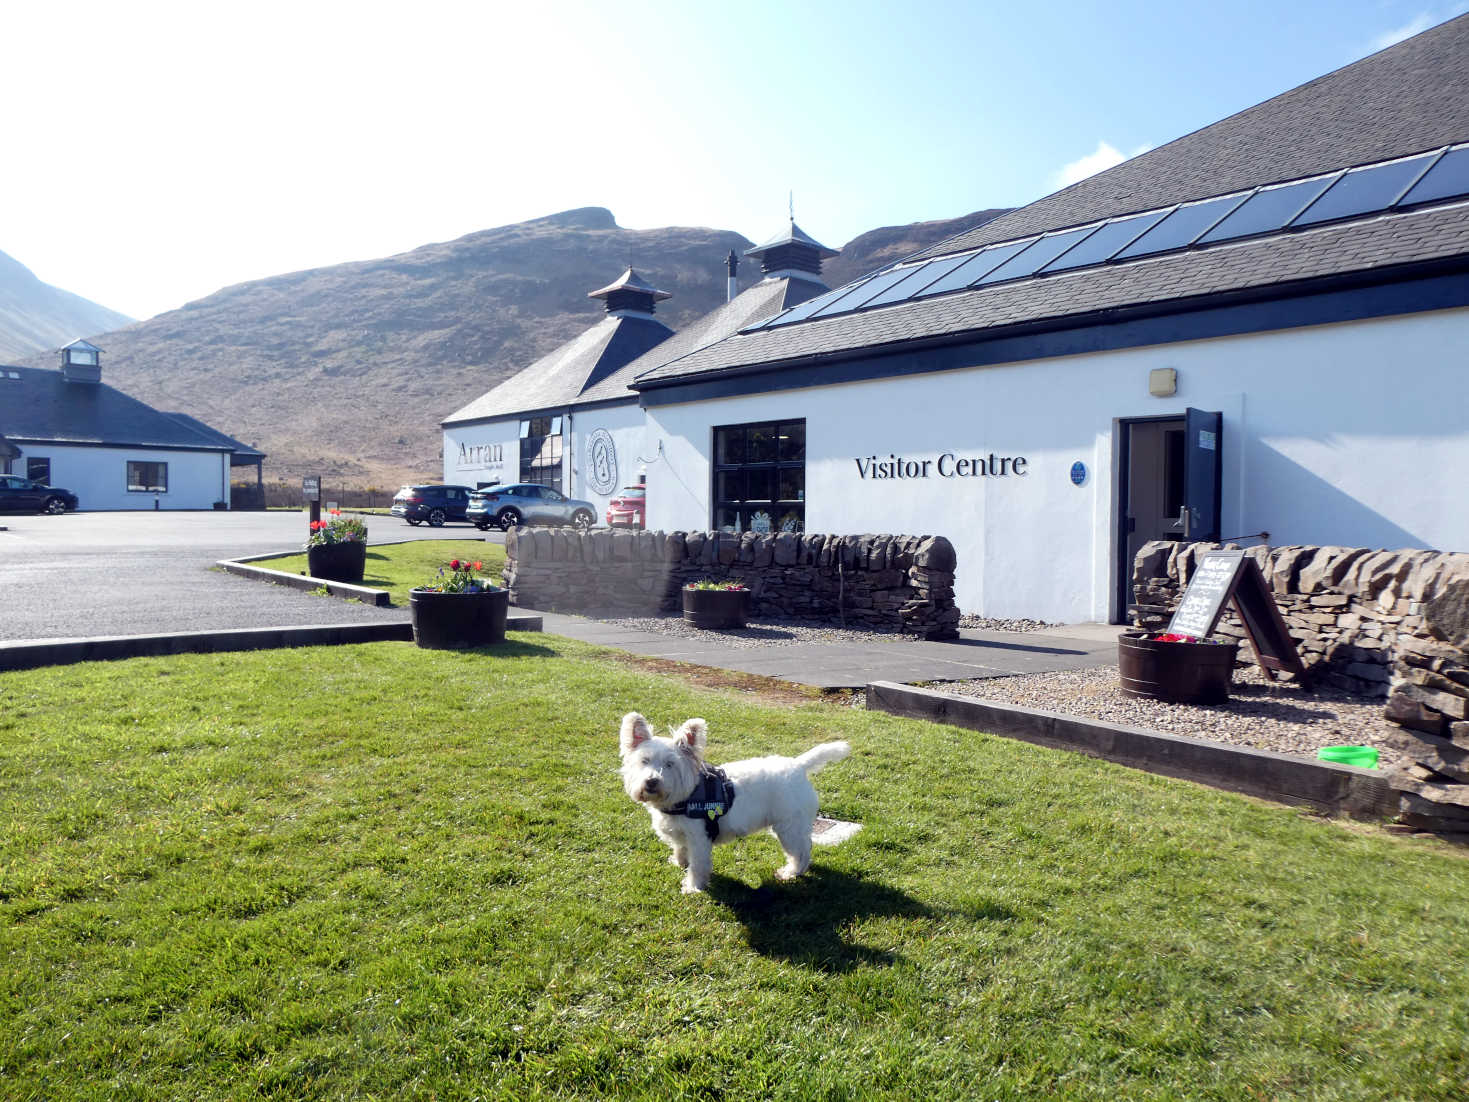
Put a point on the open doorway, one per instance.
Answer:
(1167, 487)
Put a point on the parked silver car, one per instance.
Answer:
(527, 503)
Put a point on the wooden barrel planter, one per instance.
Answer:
(1180, 673)
(337, 562)
(458, 621)
(716, 608)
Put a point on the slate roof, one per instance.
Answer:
(244, 453)
(1409, 98)
(763, 300)
(558, 379)
(570, 376)
(39, 404)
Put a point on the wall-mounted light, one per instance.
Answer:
(1163, 382)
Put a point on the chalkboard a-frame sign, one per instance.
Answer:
(1225, 575)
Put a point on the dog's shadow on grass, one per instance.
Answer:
(805, 922)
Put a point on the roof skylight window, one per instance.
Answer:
(1364, 190)
(1182, 227)
(1106, 241)
(1269, 210)
(1367, 189)
(1447, 179)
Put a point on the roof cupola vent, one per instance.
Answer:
(792, 251)
(81, 362)
(630, 294)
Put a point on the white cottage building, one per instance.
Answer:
(68, 428)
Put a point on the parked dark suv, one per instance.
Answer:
(25, 495)
(435, 504)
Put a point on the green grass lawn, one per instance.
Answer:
(398, 567)
(383, 872)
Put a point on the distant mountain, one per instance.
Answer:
(347, 371)
(35, 316)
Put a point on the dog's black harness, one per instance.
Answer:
(711, 800)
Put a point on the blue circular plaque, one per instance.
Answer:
(1078, 473)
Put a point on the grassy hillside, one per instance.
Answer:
(347, 371)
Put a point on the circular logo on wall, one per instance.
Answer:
(1078, 473)
(601, 462)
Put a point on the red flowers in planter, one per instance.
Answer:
(1173, 637)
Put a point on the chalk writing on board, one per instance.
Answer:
(1207, 591)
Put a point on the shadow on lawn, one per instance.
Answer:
(803, 922)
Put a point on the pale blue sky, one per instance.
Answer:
(162, 150)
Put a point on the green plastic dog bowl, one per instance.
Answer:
(1364, 757)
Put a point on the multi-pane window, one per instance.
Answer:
(540, 451)
(147, 478)
(760, 477)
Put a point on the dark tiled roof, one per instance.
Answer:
(764, 300)
(40, 405)
(1178, 279)
(1411, 97)
(559, 378)
(244, 453)
(1408, 98)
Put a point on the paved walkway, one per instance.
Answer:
(853, 665)
(129, 575)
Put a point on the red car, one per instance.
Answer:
(628, 509)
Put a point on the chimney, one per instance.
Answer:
(81, 362)
(732, 265)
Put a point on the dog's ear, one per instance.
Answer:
(693, 735)
(635, 732)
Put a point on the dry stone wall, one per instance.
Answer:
(1393, 624)
(882, 583)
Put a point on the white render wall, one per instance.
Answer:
(488, 453)
(469, 451)
(1354, 434)
(99, 476)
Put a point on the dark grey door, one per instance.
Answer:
(1201, 473)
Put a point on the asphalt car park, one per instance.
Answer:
(83, 575)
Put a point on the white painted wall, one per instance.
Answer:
(485, 453)
(1353, 434)
(628, 429)
(470, 456)
(98, 476)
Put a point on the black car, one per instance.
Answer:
(433, 503)
(25, 495)
(527, 503)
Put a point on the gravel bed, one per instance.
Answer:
(989, 624)
(1263, 715)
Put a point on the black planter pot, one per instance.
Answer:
(1180, 673)
(457, 621)
(716, 608)
(337, 562)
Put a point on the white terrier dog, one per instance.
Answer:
(695, 805)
